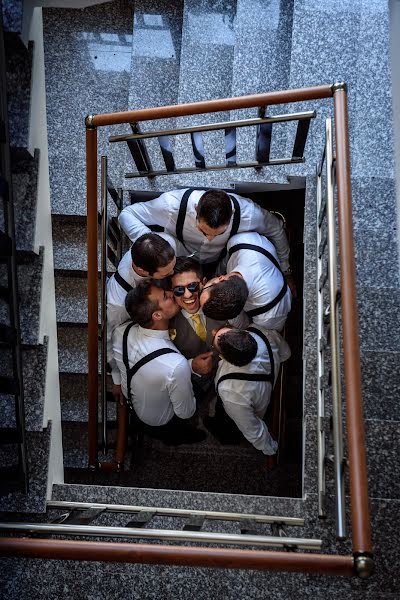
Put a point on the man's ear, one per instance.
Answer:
(204, 280)
(156, 316)
(140, 271)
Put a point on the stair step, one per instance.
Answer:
(19, 67)
(262, 51)
(25, 171)
(71, 300)
(74, 403)
(38, 444)
(29, 290)
(68, 193)
(70, 246)
(34, 361)
(72, 349)
(291, 507)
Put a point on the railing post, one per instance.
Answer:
(91, 191)
(352, 370)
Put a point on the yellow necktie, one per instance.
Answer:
(172, 334)
(199, 327)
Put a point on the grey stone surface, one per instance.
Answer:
(95, 61)
(30, 289)
(374, 203)
(178, 499)
(25, 179)
(373, 129)
(380, 378)
(70, 246)
(72, 349)
(19, 61)
(376, 254)
(208, 39)
(379, 319)
(71, 299)
(34, 359)
(74, 403)
(261, 63)
(12, 15)
(38, 453)
(156, 50)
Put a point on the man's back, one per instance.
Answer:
(164, 210)
(246, 401)
(263, 277)
(162, 387)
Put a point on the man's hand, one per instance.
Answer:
(117, 393)
(203, 363)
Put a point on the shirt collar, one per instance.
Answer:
(154, 333)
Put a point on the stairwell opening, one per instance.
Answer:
(210, 466)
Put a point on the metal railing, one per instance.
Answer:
(140, 155)
(111, 250)
(10, 334)
(360, 561)
(326, 212)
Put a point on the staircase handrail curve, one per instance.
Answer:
(361, 537)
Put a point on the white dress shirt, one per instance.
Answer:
(116, 294)
(163, 211)
(247, 401)
(162, 387)
(263, 279)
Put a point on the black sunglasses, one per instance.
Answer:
(193, 287)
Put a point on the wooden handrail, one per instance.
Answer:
(209, 106)
(189, 556)
(93, 318)
(356, 447)
(351, 351)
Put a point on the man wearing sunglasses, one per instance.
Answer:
(193, 331)
(202, 222)
(244, 382)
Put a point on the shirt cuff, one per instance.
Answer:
(191, 368)
(116, 376)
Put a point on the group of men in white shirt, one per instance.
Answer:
(172, 335)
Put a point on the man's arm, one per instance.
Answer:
(115, 316)
(180, 390)
(267, 224)
(253, 428)
(136, 218)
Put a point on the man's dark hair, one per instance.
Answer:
(184, 264)
(138, 304)
(215, 208)
(237, 347)
(150, 252)
(226, 299)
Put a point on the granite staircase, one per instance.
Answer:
(24, 173)
(152, 54)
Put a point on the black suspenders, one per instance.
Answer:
(124, 284)
(255, 376)
(131, 371)
(262, 309)
(182, 216)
